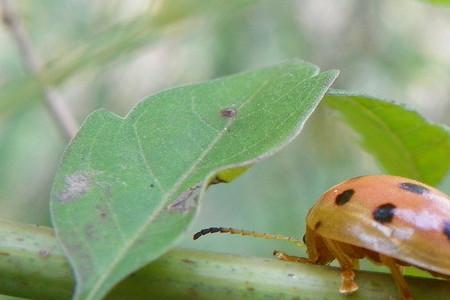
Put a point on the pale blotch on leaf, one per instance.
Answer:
(91, 231)
(75, 186)
(187, 200)
(44, 253)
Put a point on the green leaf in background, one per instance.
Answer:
(438, 1)
(402, 141)
(128, 188)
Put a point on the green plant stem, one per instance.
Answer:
(56, 107)
(32, 265)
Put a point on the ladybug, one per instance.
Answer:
(389, 220)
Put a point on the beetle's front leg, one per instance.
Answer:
(286, 257)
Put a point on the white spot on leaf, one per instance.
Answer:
(75, 186)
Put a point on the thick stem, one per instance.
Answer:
(55, 105)
(32, 265)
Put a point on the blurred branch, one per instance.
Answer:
(115, 42)
(55, 105)
(32, 265)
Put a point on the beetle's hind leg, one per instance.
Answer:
(348, 264)
(399, 280)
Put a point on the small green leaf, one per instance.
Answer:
(229, 175)
(403, 142)
(128, 188)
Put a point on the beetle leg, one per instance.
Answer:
(348, 284)
(286, 257)
(399, 280)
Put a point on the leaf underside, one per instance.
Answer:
(127, 188)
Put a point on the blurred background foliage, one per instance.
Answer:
(110, 54)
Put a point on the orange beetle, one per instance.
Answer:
(388, 219)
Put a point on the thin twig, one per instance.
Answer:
(32, 63)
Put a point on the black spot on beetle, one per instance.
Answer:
(317, 225)
(447, 229)
(384, 213)
(344, 197)
(228, 112)
(413, 187)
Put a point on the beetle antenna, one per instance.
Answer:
(266, 236)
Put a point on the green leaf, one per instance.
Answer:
(403, 142)
(438, 1)
(128, 187)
